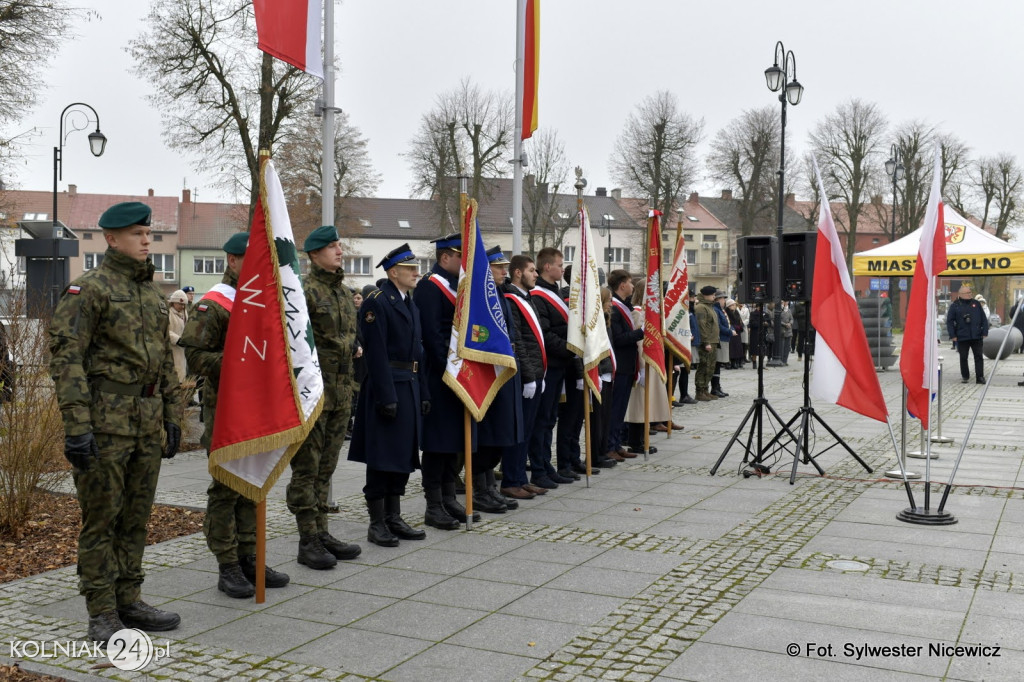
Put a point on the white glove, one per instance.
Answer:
(530, 390)
(642, 378)
(579, 384)
(543, 385)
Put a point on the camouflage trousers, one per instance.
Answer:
(312, 468)
(116, 497)
(706, 369)
(230, 523)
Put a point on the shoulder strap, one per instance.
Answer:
(534, 322)
(553, 299)
(443, 285)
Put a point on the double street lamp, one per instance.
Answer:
(605, 230)
(895, 169)
(778, 78)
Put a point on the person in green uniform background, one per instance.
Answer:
(119, 397)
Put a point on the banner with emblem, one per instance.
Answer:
(587, 334)
(480, 357)
(678, 336)
(271, 390)
(653, 350)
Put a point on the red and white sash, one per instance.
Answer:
(554, 299)
(221, 294)
(624, 309)
(444, 286)
(531, 318)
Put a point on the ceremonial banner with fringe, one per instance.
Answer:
(588, 334)
(654, 320)
(271, 390)
(678, 336)
(480, 357)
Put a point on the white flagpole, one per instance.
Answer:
(517, 161)
(328, 111)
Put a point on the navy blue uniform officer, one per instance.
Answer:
(393, 398)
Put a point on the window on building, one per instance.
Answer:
(568, 253)
(36, 216)
(693, 218)
(208, 265)
(404, 224)
(617, 255)
(667, 234)
(357, 265)
(709, 237)
(688, 237)
(426, 265)
(22, 265)
(714, 262)
(87, 235)
(93, 260)
(164, 263)
(158, 237)
(875, 240)
(666, 256)
(691, 256)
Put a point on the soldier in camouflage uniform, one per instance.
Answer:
(230, 523)
(118, 395)
(332, 313)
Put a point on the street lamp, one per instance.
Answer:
(97, 144)
(605, 230)
(778, 78)
(894, 167)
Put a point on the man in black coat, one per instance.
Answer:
(967, 325)
(443, 439)
(624, 340)
(393, 400)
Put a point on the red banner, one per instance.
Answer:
(654, 318)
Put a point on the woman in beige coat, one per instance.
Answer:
(658, 407)
(177, 318)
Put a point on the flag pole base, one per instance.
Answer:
(941, 439)
(899, 473)
(917, 454)
(926, 517)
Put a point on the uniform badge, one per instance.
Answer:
(74, 289)
(202, 307)
(369, 317)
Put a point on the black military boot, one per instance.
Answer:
(436, 515)
(271, 578)
(103, 626)
(379, 533)
(233, 582)
(482, 498)
(492, 490)
(313, 554)
(452, 505)
(145, 617)
(396, 524)
(341, 550)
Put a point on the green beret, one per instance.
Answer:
(320, 237)
(125, 214)
(237, 244)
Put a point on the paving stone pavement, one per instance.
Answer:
(656, 571)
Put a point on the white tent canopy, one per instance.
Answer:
(969, 251)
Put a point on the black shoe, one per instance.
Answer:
(312, 553)
(557, 477)
(569, 474)
(548, 484)
(603, 463)
(491, 486)
(396, 524)
(580, 469)
(965, 380)
(103, 626)
(639, 449)
(1020, 383)
(510, 503)
(452, 505)
(677, 403)
(378, 532)
(341, 550)
(271, 578)
(233, 582)
(484, 502)
(688, 400)
(979, 380)
(720, 393)
(145, 617)
(436, 515)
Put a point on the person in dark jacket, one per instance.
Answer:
(967, 325)
(442, 442)
(725, 334)
(393, 400)
(624, 340)
(532, 358)
(554, 321)
(735, 343)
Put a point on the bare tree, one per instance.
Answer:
(221, 100)
(956, 164)
(550, 170)
(848, 144)
(301, 155)
(654, 155)
(1000, 184)
(467, 133)
(745, 154)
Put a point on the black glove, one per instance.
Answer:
(80, 450)
(173, 439)
(638, 334)
(425, 407)
(389, 411)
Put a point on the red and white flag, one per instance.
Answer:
(844, 372)
(919, 363)
(271, 389)
(654, 319)
(678, 336)
(528, 49)
(290, 31)
(587, 334)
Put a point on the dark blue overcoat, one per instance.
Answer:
(503, 423)
(390, 329)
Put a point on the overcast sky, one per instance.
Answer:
(954, 64)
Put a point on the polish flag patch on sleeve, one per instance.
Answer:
(202, 307)
(74, 289)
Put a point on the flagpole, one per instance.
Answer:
(261, 551)
(580, 271)
(329, 110)
(647, 408)
(668, 370)
(467, 431)
(517, 161)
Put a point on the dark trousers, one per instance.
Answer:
(684, 382)
(486, 457)
(600, 419)
(381, 484)
(570, 424)
(513, 459)
(621, 388)
(547, 415)
(438, 468)
(973, 345)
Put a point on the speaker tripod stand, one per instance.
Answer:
(756, 415)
